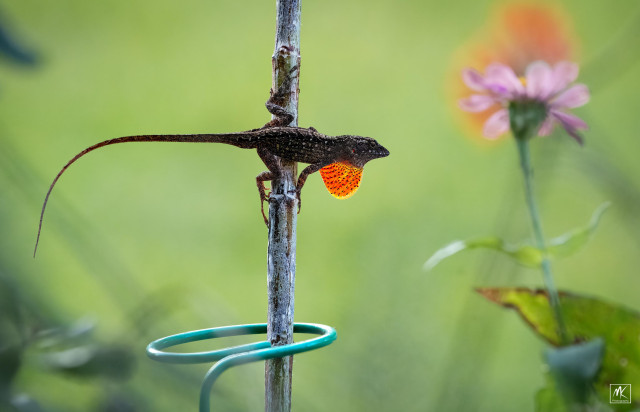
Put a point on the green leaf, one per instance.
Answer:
(586, 318)
(525, 255)
(575, 367)
(561, 246)
(570, 379)
(112, 361)
(572, 241)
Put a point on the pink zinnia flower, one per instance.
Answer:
(549, 86)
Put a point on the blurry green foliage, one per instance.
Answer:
(561, 246)
(587, 319)
(30, 339)
(573, 370)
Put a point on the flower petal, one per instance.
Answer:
(476, 103)
(497, 124)
(501, 80)
(539, 80)
(570, 123)
(473, 79)
(569, 120)
(575, 96)
(564, 73)
(547, 126)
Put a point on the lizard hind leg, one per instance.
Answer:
(264, 196)
(273, 164)
(275, 104)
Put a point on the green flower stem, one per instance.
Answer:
(527, 171)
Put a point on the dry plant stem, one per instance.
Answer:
(283, 206)
(554, 300)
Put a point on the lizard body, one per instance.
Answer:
(339, 158)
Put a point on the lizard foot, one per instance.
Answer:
(264, 198)
(297, 192)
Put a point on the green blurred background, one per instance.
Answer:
(146, 240)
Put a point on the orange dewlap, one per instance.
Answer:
(341, 179)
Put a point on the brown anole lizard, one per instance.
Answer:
(339, 159)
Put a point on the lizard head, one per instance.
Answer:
(359, 150)
(342, 178)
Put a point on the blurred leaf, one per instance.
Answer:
(571, 242)
(10, 363)
(586, 318)
(575, 367)
(24, 403)
(74, 334)
(9, 300)
(570, 379)
(12, 49)
(12, 341)
(561, 246)
(525, 255)
(115, 362)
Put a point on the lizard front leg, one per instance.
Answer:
(303, 178)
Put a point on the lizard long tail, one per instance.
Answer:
(242, 140)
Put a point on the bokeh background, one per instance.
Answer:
(146, 240)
